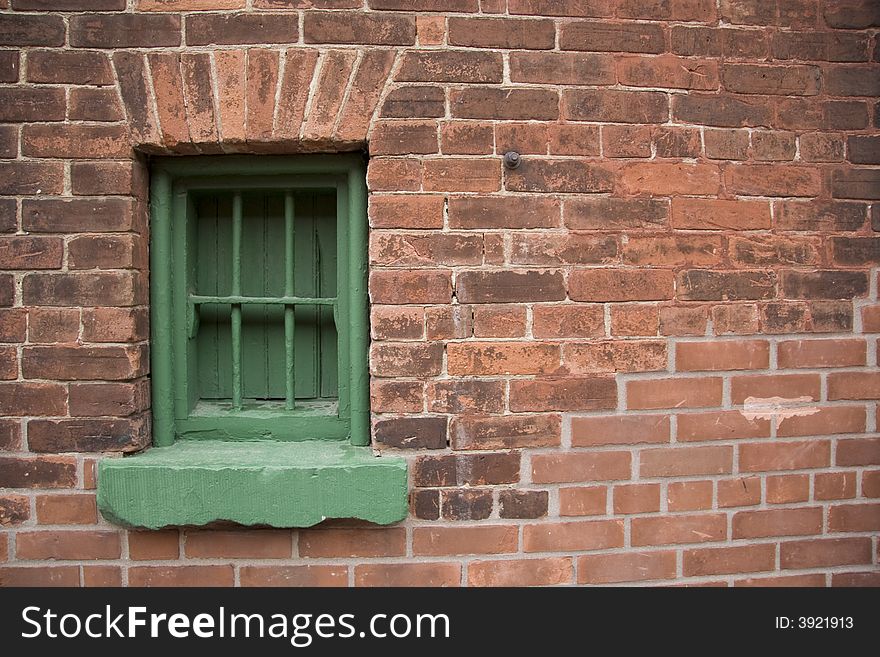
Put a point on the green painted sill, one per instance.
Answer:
(279, 484)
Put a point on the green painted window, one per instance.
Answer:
(258, 292)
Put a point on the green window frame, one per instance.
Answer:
(178, 411)
(279, 461)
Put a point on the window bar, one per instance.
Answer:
(236, 307)
(289, 326)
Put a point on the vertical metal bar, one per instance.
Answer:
(161, 307)
(289, 327)
(236, 307)
(359, 343)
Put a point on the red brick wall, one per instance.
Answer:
(648, 355)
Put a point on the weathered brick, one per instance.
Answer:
(667, 71)
(75, 141)
(821, 147)
(721, 110)
(679, 529)
(124, 31)
(505, 432)
(773, 145)
(38, 472)
(512, 33)
(614, 214)
(66, 509)
(69, 67)
(630, 567)
(521, 572)
(819, 552)
(609, 37)
(771, 80)
(227, 29)
(107, 399)
(70, 5)
(583, 8)
(625, 141)
(181, 576)
(24, 104)
(523, 503)
(823, 284)
(820, 46)
(449, 322)
(86, 545)
(509, 286)
(359, 28)
(462, 66)
(406, 359)
(466, 138)
(727, 560)
(686, 461)
(615, 356)
(408, 574)
(416, 211)
(404, 286)
(819, 216)
(395, 249)
(466, 504)
(92, 289)
(412, 433)
(581, 466)
(568, 536)
(94, 105)
(856, 184)
(66, 363)
(619, 430)
(460, 175)
(673, 141)
(14, 510)
(30, 30)
(76, 435)
(490, 358)
(835, 485)
(620, 285)
(115, 324)
(31, 252)
(467, 469)
(851, 14)
(563, 394)
(499, 321)
(561, 68)
(107, 252)
(615, 106)
(689, 495)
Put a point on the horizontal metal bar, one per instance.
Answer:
(199, 299)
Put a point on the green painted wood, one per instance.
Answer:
(236, 307)
(326, 254)
(289, 318)
(162, 359)
(263, 295)
(342, 308)
(252, 483)
(205, 301)
(264, 165)
(307, 424)
(358, 327)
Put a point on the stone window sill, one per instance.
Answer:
(279, 484)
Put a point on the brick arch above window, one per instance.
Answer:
(251, 100)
